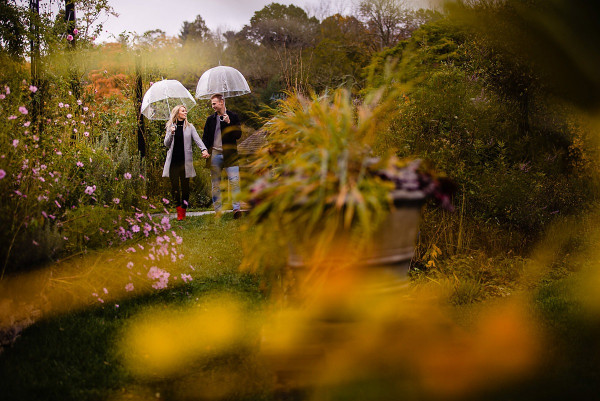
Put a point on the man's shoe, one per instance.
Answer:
(237, 214)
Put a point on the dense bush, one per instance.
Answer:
(73, 185)
(515, 158)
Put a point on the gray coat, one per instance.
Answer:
(189, 134)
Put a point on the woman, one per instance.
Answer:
(179, 166)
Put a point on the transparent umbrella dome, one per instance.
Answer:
(227, 81)
(162, 96)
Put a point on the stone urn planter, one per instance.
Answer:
(319, 188)
(392, 245)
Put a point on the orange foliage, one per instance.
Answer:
(111, 79)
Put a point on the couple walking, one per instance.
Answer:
(219, 144)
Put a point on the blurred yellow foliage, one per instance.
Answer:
(165, 341)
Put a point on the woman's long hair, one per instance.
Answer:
(173, 118)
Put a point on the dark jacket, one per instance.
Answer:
(230, 133)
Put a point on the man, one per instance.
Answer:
(221, 132)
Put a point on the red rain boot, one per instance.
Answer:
(180, 213)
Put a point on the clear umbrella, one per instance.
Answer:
(227, 81)
(160, 99)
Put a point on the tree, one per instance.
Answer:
(277, 25)
(194, 31)
(285, 35)
(12, 30)
(341, 52)
(154, 39)
(390, 21)
(89, 16)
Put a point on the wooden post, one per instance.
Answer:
(139, 95)
(36, 101)
(70, 21)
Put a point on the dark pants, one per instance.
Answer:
(178, 179)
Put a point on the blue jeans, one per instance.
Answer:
(233, 175)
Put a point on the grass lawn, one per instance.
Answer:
(83, 352)
(73, 355)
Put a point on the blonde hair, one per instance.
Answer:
(174, 114)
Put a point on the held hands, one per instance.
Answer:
(205, 154)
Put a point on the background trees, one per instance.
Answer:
(194, 31)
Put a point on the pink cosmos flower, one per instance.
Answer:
(27, 124)
(61, 105)
(86, 134)
(75, 31)
(166, 201)
(70, 37)
(57, 204)
(2, 174)
(79, 102)
(33, 88)
(90, 190)
(13, 117)
(127, 176)
(129, 265)
(79, 164)
(186, 277)
(135, 228)
(129, 287)
(116, 201)
(2, 96)
(23, 110)
(7, 90)
(85, 108)
(69, 115)
(15, 142)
